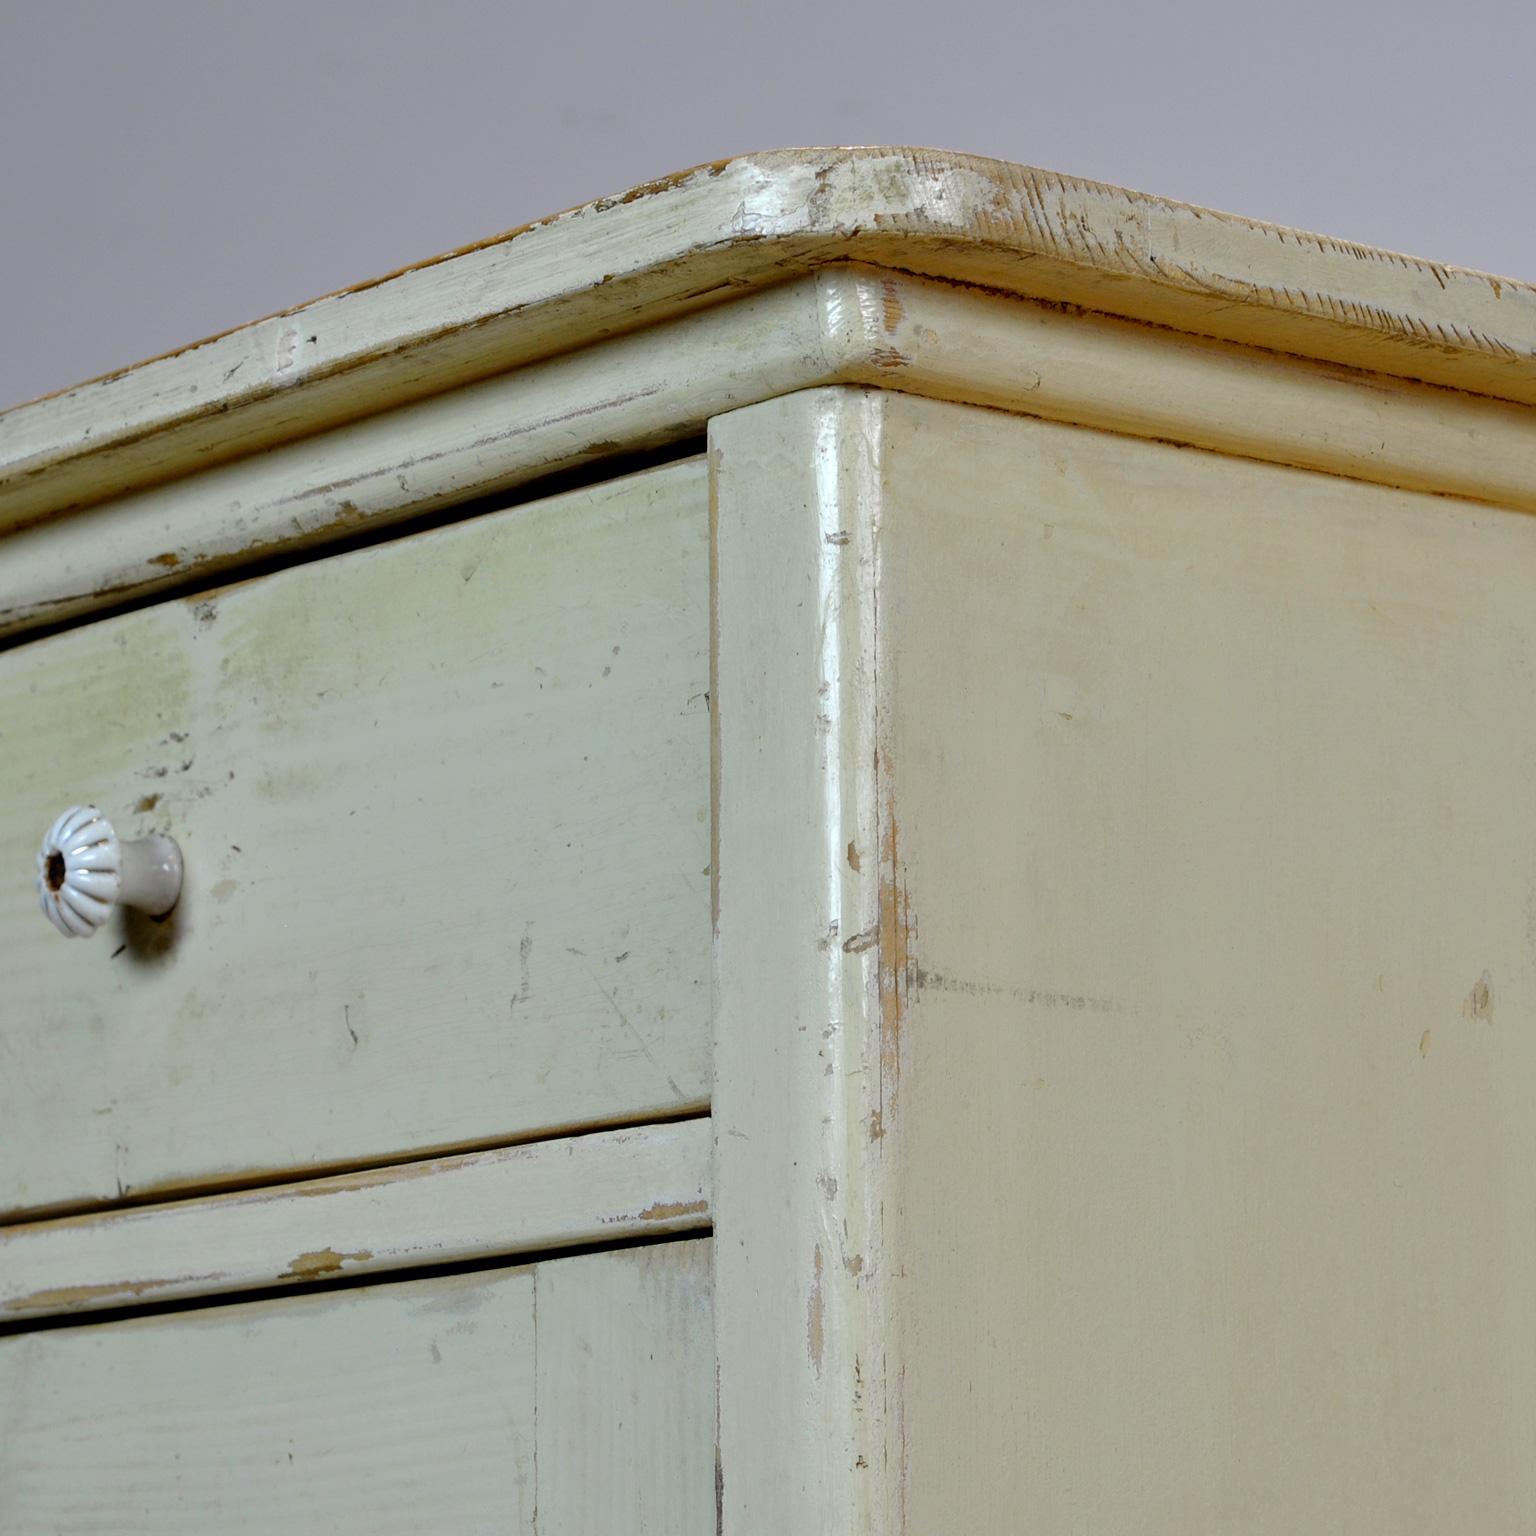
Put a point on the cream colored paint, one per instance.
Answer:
(809, 1399)
(1218, 1159)
(1186, 964)
(661, 386)
(708, 234)
(396, 1408)
(603, 1187)
(444, 811)
(626, 1388)
(1121, 1109)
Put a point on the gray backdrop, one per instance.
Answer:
(172, 168)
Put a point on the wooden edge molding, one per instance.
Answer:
(602, 1187)
(807, 949)
(660, 386)
(714, 232)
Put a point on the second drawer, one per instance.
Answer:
(444, 806)
(565, 1398)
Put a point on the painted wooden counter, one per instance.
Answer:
(956, 743)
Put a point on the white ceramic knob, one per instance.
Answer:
(84, 873)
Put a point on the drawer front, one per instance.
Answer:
(577, 1394)
(444, 810)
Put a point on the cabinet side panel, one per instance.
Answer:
(1216, 794)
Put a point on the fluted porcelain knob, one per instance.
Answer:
(84, 872)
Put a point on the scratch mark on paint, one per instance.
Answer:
(1479, 1003)
(639, 1039)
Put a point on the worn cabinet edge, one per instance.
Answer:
(686, 240)
(807, 975)
(608, 1186)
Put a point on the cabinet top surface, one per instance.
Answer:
(725, 228)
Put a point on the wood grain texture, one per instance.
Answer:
(388, 1409)
(842, 325)
(1180, 808)
(444, 810)
(690, 239)
(602, 1187)
(626, 1390)
(395, 1408)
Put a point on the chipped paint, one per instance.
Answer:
(1479, 1003)
(323, 1261)
(897, 963)
(72, 1298)
(734, 226)
(673, 1210)
(815, 1317)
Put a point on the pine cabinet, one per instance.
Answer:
(858, 855)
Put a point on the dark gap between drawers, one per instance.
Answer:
(277, 1179)
(593, 472)
(405, 1275)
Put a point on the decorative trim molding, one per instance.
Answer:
(845, 325)
(675, 245)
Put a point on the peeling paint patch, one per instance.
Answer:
(323, 1261)
(69, 1298)
(671, 1211)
